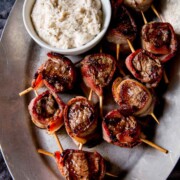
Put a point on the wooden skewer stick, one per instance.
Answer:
(36, 93)
(41, 151)
(90, 94)
(117, 57)
(159, 148)
(58, 142)
(144, 18)
(80, 146)
(117, 51)
(112, 175)
(25, 91)
(156, 12)
(154, 117)
(101, 105)
(130, 46)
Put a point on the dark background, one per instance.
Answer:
(5, 8)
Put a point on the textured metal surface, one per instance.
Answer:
(19, 59)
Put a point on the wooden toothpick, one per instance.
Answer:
(101, 105)
(159, 148)
(156, 12)
(144, 18)
(90, 94)
(58, 142)
(41, 151)
(154, 117)
(25, 91)
(130, 46)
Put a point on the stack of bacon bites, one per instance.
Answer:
(133, 87)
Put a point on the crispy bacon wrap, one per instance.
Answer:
(46, 111)
(80, 119)
(122, 27)
(123, 131)
(77, 164)
(133, 97)
(97, 71)
(57, 74)
(145, 67)
(160, 39)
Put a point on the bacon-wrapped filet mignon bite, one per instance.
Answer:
(80, 119)
(139, 5)
(46, 111)
(97, 71)
(122, 27)
(80, 165)
(132, 97)
(123, 131)
(57, 74)
(145, 67)
(160, 39)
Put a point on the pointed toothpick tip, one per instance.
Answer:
(90, 95)
(157, 147)
(42, 151)
(130, 46)
(154, 117)
(156, 12)
(80, 146)
(25, 91)
(36, 93)
(117, 51)
(101, 105)
(144, 18)
(59, 143)
(112, 175)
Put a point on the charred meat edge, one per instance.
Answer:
(85, 134)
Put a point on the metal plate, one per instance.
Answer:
(19, 138)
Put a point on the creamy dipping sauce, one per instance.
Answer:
(67, 23)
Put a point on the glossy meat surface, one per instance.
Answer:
(97, 71)
(160, 39)
(120, 130)
(145, 67)
(57, 74)
(80, 165)
(80, 119)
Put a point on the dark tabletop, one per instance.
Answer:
(5, 8)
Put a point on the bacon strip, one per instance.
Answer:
(57, 74)
(46, 111)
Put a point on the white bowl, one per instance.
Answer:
(27, 9)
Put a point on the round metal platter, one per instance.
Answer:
(20, 56)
